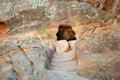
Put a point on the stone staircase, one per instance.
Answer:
(64, 62)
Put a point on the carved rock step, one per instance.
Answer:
(62, 64)
(62, 46)
(63, 57)
(65, 68)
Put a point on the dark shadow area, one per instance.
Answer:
(65, 32)
(3, 28)
(1, 23)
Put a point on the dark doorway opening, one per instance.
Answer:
(65, 32)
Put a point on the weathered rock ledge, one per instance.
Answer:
(41, 13)
(28, 59)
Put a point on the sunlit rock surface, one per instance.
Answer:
(62, 46)
(28, 59)
(26, 15)
(98, 52)
(95, 53)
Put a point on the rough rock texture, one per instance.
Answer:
(62, 46)
(98, 52)
(50, 44)
(27, 59)
(64, 62)
(26, 15)
(108, 5)
(101, 41)
(23, 59)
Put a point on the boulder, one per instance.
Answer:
(22, 59)
(62, 46)
(33, 14)
(27, 59)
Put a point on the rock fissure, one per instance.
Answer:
(17, 74)
(7, 52)
(32, 63)
(12, 64)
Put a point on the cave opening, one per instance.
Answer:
(65, 32)
(3, 28)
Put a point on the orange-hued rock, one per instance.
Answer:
(102, 4)
(3, 28)
(108, 5)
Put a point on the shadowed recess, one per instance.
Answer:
(3, 28)
(65, 32)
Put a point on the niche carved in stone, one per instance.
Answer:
(3, 28)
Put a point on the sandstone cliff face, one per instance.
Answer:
(108, 5)
(100, 51)
(95, 55)
(26, 15)
(101, 41)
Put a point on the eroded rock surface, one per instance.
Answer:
(23, 57)
(38, 13)
(98, 52)
(28, 59)
(101, 41)
(62, 46)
